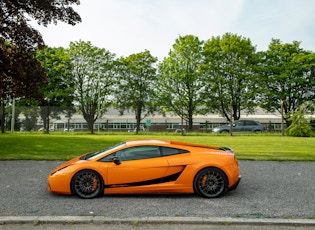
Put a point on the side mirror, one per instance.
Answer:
(116, 160)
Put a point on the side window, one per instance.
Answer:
(107, 158)
(250, 123)
(138, 153)
(238, 123)
(172, 151)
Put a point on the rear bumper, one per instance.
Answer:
(234, 186)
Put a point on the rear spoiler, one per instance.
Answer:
(226, 149)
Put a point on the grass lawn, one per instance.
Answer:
(64, 146)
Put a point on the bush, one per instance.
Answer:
(302, 126)
(300, 130)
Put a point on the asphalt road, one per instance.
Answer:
(268, 190)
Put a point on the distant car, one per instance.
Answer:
(42, 129)
(149, 166)
(241, 126)
(68, 130)
(141, 129)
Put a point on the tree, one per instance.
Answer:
(19, 69)
(59, 89)
(30, 113)
(181, 84)
(137, 85)
(21, 75)
(286, 77)
(229, 63)
(15, 15)
(92, 68)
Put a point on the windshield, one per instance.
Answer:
(94, 155)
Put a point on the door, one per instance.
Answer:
(139, 166)
(238, 126)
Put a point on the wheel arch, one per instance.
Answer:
(208, 167)
(86, 169)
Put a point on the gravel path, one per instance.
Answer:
(268, 190)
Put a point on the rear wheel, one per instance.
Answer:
(87, 184)
(210, 182)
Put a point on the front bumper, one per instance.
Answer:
(59, 183)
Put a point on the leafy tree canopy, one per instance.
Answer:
(93, 76)
(136, 86)
(58, 92)
(287, 76)
(15, 15)
(229, 65)
(20, 73)
(182, 88)
(19, 68)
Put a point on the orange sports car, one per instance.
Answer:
(149, 166)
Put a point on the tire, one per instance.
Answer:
(210, 183)
(225, 131)
(87, 184)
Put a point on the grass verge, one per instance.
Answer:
(64, 146)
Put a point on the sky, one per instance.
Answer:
(126, 27)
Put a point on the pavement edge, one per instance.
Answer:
(36, 220)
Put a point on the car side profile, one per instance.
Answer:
(241, 126)
(149, 166)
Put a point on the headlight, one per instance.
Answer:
(53, 172)
(216, 130)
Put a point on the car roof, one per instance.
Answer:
(147, 141)
(167, 142)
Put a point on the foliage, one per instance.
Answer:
(92, 69)
(301, 121)
(59, 89)
(229, 68)
(136, 89)
(14, 17)
(20, 73)
(30, 113)
(287, 74)
(181, 84)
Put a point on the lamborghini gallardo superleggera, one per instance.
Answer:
(149, 166)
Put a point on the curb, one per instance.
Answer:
(36, 220)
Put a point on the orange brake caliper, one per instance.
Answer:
(203, 181)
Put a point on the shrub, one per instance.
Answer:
(301, 125)
(300, 130)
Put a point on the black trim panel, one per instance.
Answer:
(169, 178)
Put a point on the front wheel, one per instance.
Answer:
(87, 184)
(225, 131)
(210, 182)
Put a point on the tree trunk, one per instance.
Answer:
(2, 119)
(190, 121)
(138, 118)
(89, 118)
(91, 124)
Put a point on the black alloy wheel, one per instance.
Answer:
(210, 182)
(87, 184)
